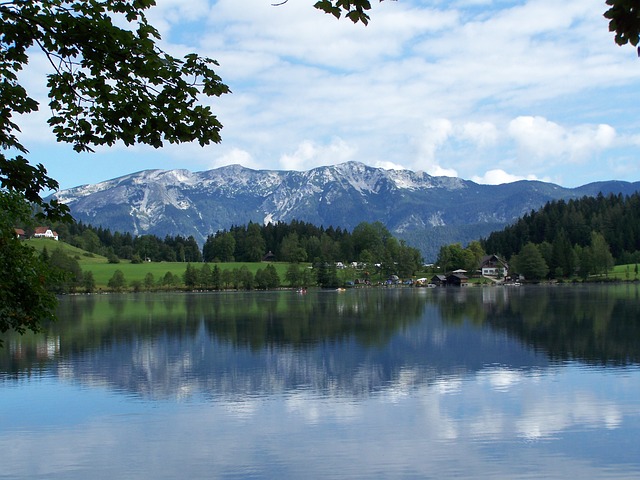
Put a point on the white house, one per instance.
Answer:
(45, 232)
(493, 266)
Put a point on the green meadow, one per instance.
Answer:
(102, 270)
(83, 257)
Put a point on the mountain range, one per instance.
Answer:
(424, 210)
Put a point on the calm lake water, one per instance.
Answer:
(511, 382)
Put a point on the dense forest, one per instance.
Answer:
(293, 242)
(584, 236)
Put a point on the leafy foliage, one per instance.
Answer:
(267, 278)
(117, 245)
(624, 20)
(326, 274)
(25, 300)
(190, 276)
(354, 10)
(453, 257)
(530, 263)
(107, 84)
(66, 274)
(117, 282)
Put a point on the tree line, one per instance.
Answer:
(581, 237)
(369, 244)
(293, 242)
(298, 241)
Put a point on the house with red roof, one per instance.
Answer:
(45, 232)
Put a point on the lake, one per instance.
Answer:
(493, 382)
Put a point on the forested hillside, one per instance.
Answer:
(575, 235)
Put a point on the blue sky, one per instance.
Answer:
(490, 91)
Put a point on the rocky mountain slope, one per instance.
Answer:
(424, 210)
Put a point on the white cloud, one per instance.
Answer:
(236, 156)
(389, 165)
(483, 134)
(168, 14)
(297, 31)
(309, 155)
(543, 138)
(438, 171)
(512, 89)
(498, 177)
(435, 134)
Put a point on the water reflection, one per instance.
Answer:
(467, 383)
(237, 344)
(354, 343)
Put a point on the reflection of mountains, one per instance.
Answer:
(348, 344)
(344, 344)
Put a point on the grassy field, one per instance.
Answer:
(625, 272)
(103, 270)
(83, 257)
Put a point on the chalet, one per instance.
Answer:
(439, 280)
(20, 233)
(493, 266)
(45, 232)
(457, 280)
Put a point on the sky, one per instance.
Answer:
(492, 91)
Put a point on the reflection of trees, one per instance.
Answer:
(588, 323)
(92, 322)
(253, 320)
(458, 305)
(258, 321)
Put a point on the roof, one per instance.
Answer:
(458, 276)
(269, 256)
(491, 259)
